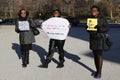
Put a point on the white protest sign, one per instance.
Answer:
(23, 25)
(56, 28)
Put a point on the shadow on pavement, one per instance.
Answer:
(42, 54)
(40, 51)
(16, 47)
(76, 59)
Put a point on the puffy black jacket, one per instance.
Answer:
(96, 37)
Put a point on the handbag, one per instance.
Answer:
(35, 31)
(106, 43)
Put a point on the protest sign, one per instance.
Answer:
(91, 23)
(56, 28)
(23, 25)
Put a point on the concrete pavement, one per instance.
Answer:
(79, 62)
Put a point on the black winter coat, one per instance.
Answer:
(96, 37)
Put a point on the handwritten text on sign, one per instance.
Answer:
(23, 25)
(56, 28)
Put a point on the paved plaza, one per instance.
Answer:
(79, 63)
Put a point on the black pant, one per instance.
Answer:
(52, 45)
(25, 52)
(25, 56)
(98, 60)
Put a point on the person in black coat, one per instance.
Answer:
(96, 39)
(54, 43)
(26, 35)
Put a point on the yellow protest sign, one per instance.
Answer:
(91, 23)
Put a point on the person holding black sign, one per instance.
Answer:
(24, 27)
(96, 39)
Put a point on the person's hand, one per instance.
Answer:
(96, 27)
(41, 26)
(69, 26)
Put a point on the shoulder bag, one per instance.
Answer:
(106, 43)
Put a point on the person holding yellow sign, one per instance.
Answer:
(97, 27)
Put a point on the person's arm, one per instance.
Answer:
(104, 27)
(32, 24)
(69, 26)
(16, 26)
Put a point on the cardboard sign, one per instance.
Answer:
(91, 23)
(23, 25)
(56, 28)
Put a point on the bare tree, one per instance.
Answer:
(71, 7)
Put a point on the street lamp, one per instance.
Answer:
(111, 12)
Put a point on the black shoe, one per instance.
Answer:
(24, 65)
(44, 66)
(60, 65)
(27, 61)
(93, 73)
(97, 75)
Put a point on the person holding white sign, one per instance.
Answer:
(26, 36)
(56, 29)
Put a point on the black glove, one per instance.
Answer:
(96, 27)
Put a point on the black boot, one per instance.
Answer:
(24, 59)
(45, 65)
(24, 64)
(97, 75)
(61, 64)
(62, 60)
